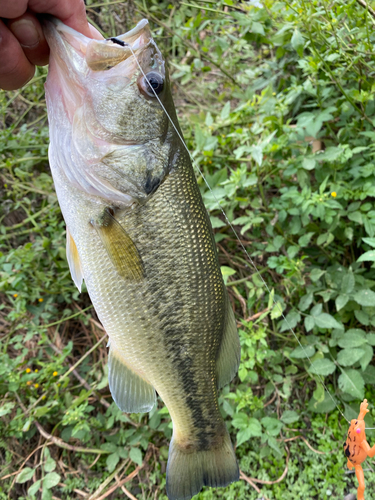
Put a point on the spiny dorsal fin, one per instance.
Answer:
(120, 247)
(229, 355)
(73, 260)
(130, 392)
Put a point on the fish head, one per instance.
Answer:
(110, 92)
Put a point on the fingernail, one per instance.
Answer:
(25, 32)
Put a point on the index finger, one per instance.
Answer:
(70, 12)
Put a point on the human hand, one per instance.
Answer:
(22, 43)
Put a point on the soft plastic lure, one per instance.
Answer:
(357, 449)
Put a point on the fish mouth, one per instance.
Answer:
(77, 52)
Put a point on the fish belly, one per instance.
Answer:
(168, 327)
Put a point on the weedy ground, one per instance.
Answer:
(276, 101)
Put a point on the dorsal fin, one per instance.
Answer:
(229, 355)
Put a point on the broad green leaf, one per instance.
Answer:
(369, 241)
(111, 447)
(272, 443)
(341, 301)
(309, 323)
(354, 337)
(362, 317)
(302, 352)
(216, 222)
(351, 382)
(369, 375)
(49, 464)
(325, 320)
(367, 356)
(257, 154)
(25, 475)
(46, 494)
(305, 302)
(348, 357)
(226, 272)
(135, 455)
(293, 250)
(305, 239)
(243, 436)
(330, 154)
(278, 242)
(6, 408)
(112, 460)
(325, 406)
(356, 217)
(319, 392)
(51, 480)
(272, 425)
(367, 256)
(308, 164)
(255, 427)
(316, 274)
(290, 321)
(225, 112)
(365, 298)
(242, 373)
(370, 337)
(289, 417)
(26, 425)
(240, 420)
(257, 28)
(348, 282)
(276, 311)
(298, 42)
(34, 488)
(323, 367)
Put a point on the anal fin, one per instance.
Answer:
(229, 355)
(119, 246)
(73, 260)
(131, 393)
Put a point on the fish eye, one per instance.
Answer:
(152, 84)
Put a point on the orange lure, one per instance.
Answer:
(357, 449)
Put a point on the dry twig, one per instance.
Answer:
(127, 492)
(365, 4)
(261, 481)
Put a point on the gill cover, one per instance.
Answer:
(102, 140)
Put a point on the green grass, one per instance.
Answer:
(276, 105)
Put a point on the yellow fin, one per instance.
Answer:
(120, 247)
(130, 392)
(73, 260)
(229, 355)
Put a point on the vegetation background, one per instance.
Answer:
(276, 101)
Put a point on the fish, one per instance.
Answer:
(140, 237)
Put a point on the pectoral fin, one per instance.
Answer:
(73, 260)
(131, 393)
(229, 356)
(120, 247)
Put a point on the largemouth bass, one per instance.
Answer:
(139, 235)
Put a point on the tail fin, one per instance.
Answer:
(188, 471)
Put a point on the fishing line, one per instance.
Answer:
(276, 303)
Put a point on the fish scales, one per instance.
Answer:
(145, 248)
